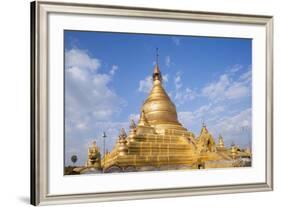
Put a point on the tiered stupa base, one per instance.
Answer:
(145, 148)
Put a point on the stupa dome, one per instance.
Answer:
(158, 107)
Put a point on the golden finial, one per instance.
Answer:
(143, 121)
(132, 124)
(122, 133)
(233, 151)
(221, 142)
(204, 128)
(156, 73)
(203, 124)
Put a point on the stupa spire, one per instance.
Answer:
(204, 129)
(156, 72)
(203, 124)
(157, 56)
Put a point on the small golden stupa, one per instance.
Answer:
(205, 141)
(221, 143)
(159, 141)
(94, 157)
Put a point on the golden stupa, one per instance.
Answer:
(159, 141)
(94, 157)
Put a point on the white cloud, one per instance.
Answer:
(235, 68)
(168, 61)
(187, 118)
(194, 118)
(81, 125)
(190, 94)
(87, 92)
(246, 77)
(225, 88)
(77, 73)
(113, 69)
(177, 81)
(235, 127)
(216, 89)
(165, 78)
(80, 58)
(176, 40)
(201, 111)
(182, 94)
(217, 109)
(237, 90)
(80, 146)
(89, 101)
(135, 117)
(232, 127)
(145, 85)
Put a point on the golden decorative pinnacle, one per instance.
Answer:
(122, 133)
(221, 142)
(203, 124)
(143, 120)
(132, 124)
(156, 73)
(204, 129)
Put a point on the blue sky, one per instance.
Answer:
(108, 76)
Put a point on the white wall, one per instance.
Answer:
(14, 102)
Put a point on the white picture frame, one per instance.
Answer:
(41, 161)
